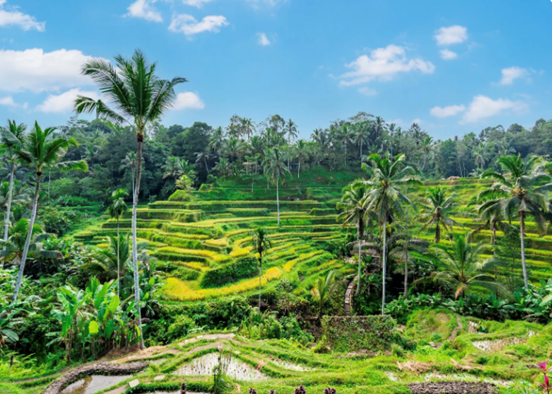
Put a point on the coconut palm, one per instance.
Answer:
(275, 168)
(137, 96)
(361, 136)
(345, 136)
(130, 161)
(302, 153)
(41, 151)
(106, 263)
(216, 140)
(203, 157)
(354, 212)
(116, 209)
(493, 219)
(11, 140)
(290, 129)
(461, 267)
(261, 244)
(521, 191)
(385, 197)
(223, 168)
(323, 289)
(247, 127)
(436, 211)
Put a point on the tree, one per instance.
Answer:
(345, 136)
(354, 212)
(41, 151)
(521, 191)
(385, 197)
(116, 209)
(361, 136)
(302, 152)
(11, 139)
(261, 244)
(275, 168)
(461, 267)
(436, 211)
(106, 263)
(139, 97)
(322, 290)
(291, 131)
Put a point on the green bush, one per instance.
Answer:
(244, 268)
(181, 327)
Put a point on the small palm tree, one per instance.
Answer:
(275, 169)
(137, 96)
(302, 153)
(203, 157)
(261, 244)
(116, 209)
(323, 289)
(290, 129)
(437, 210)
(11, 139)
(354, 212)
(461, 267)
(106, 262)
(40, 151)
(385, 197)
(520, 192)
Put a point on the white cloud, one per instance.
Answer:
(64, 102)
(447, 54)
(383, 64)
(144, 9)
(445, 112)
(451, 35)
(7, 101)
(263, 39)
(511, 74)
(36, 70)
(366, 91)
(195, 3)
(13, 17)
(188, 25)
(484, 107)
(187, 100)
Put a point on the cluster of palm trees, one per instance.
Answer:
(520, 191)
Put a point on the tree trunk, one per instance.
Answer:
(28, 239)
(278, 201)
(438, 233)
(260, 275)
(406, 257)
(140, 138)
(359, 259)
(298, 168)
(8, 208)
(118, 258)
(289, 146)
(384, 265)
(522, 238)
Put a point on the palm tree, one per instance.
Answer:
(275, 168)
(41, 151)
(291, 130)
(216, 140)
(354, 212)
(139, 97)
(436, 211)
(223, 167)
(203, 157)
(361, 136)
(302, 152)
(461, 267)
(261, 244)
(11, 139)
(322, 290)
(130, 161)
(345, 135)
(385, 197)
(116, 209)
(247, 126)
(106, 262)
(521, 191)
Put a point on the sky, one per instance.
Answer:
(454, 67)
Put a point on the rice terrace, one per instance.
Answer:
(275, 196)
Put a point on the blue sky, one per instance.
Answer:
(454, 66)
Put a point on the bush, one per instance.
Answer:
(244, 268)
(181, 327)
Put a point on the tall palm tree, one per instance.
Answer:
(11, 139)
(41, 151)
(361, 136)
(172, 167)
(116, 209)
(216, 140)
(521, 191)
(130, 161)
(291, 130)
(247, 126)
(493, 219)
(302, 153)
(203, 157)
(261, 244)
(137, 96)
(323, 289)
(461, 267)
(436, 211)
(345, 136)
(354, 212)
(275, 168)
(385, 197)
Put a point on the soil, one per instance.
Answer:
(100, 368)
(452, 388)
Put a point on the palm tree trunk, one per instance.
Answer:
(493, 234)
(522, 238)
(298, 168)
(345, 155)
(8, 208)
(140, 138)
(289, 150)
(406, 257)
(384, 265)
(260, 275)
(359, 260)
(438, 233)
(28, 240)
(118, 257)
(278, 201)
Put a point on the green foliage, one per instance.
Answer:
(243, 268)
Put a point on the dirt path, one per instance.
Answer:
(100, 368)
(456, 329)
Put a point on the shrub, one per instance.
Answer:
(180, 328)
